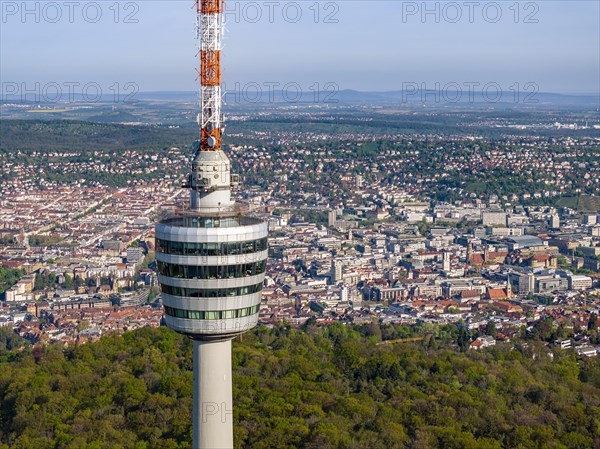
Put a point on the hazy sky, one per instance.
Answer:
(364, 45)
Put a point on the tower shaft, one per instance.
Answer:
(213, 403)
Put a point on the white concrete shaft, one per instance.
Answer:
(213, 402)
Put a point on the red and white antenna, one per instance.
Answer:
(210, 30)
(210, 180)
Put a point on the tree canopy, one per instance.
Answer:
(321, 387)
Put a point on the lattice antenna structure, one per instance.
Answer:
(210, 32)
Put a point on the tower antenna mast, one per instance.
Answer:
(210, 180)
(210, 31)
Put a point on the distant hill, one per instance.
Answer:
(115, 117)
(168, 95)
(430, 98)
(411, 96)
(65, 135)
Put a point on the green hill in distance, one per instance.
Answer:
(114, 117)
(324, 387)
(582, 203)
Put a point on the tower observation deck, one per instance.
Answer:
(211, 256)
(211, 270)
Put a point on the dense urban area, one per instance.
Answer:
(473, 239)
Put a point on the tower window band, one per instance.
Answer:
(211, 271)
(210, 249)
(210, 292)
(212, 314)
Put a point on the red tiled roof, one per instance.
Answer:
(477, 259)
(495, 254)
(497, 293)
(469, 294)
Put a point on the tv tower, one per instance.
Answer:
(211, 256)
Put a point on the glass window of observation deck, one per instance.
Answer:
(210, 249)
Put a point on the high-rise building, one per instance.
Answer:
(336, 271)
(590, 219)
(344, 293)
(446, 262)
(522, 283)
(211, 255)
(332, 217)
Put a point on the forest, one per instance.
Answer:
(314, 388)
(31, 135)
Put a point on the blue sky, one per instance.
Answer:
(365, 45)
